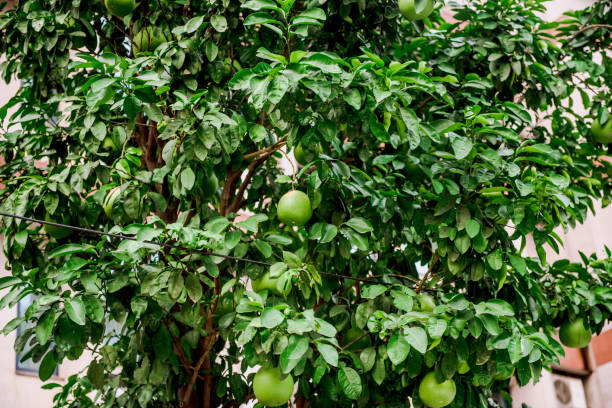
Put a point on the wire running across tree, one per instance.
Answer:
(387, 269)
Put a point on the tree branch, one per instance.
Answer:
(434, 260)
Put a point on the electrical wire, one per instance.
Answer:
(176, 247)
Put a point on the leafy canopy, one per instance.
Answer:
(441, 143)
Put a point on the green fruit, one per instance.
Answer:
(120, 8)
(266, 282)
(109, 144)
(416, 9)
(574, 334)
(424, 303)
(463, 368)
(355, 333)
(56, 232)
(602, 134)
(305, 156)
(299, 155)
(294, 208)
(435, 394)
(270, 390)
(109, 201)
(148, 39)
(210, 185)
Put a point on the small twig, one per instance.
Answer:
(434, 260)
(586, 28)
(349, 344)
(266, 150)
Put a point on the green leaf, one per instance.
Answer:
(472, 227)
(194, 287)
(193, 24)
(373, 291)
(329, 353)
(397, 349)
(402, 301)
(131, 106)
(417, 338)
(257, 133)
(260, 17)
(47, 366)
(368, 358)
(270, 318)
(162, 343)
(95, 374)
(462, 147)
(218, 22)
(187, 178)
(293, 353)
(494, 259)
(361, 225)
(75, 310)
(350, 382)
(496, 307)
(518, 263)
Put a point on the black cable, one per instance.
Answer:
(177, 247)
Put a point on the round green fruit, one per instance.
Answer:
(353, 334)
(416, 9)
(210, 185)
(120, 8)
(294, 208)
(270, 390)
(574, 334)
(54, 231)
(424, 303)
(148, 39)
(435, 394)
(602, 134)
(266, 282)
(109, 201)
(109, 144)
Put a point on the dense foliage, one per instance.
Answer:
(444, 144)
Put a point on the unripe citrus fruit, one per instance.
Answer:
(602, 134)
(435, 394)
(294, 208)
(574, 334)
(120, 8)
(108, 144)
(266, 282)
(416, 9)
(270, 390)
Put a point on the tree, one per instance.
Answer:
(428, 146)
